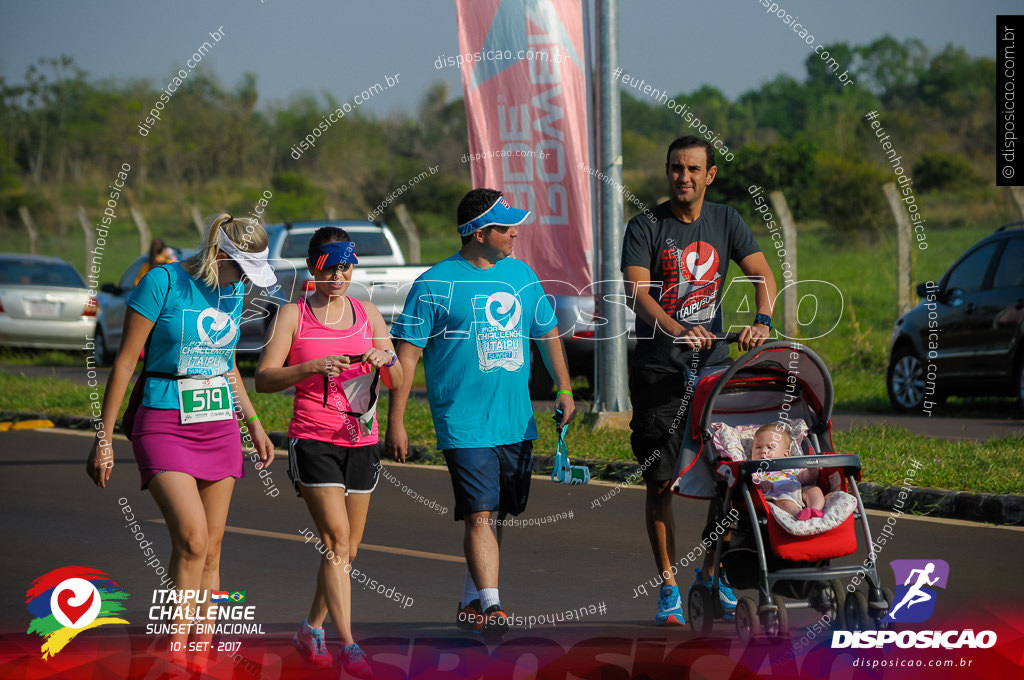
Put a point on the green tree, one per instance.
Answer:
(847, 193)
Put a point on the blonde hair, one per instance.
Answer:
(775, 427)
(246, 234)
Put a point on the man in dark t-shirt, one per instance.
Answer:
(675, 268)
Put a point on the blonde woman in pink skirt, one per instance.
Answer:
(185, 436)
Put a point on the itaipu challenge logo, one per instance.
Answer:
(70, 600)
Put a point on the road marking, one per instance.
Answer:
(362, 546)
(593, 482)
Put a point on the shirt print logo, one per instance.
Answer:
(699, 262)
(499, 338)
(208, 338)
(505, 302)
(220, 321)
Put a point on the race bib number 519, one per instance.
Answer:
(204, 400)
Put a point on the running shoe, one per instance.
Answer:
(352, 660)
(725, 594)
(470, 616)
(670, 607)
(495, 622)
(311, 644)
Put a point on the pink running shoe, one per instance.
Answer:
(311, 644)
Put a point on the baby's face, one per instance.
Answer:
(770, 444)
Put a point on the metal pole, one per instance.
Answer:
(610, 391)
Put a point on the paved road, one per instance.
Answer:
(599, 554)
(950, 428)
(55, 517)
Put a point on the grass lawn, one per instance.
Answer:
(995, 466)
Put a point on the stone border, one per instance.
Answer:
(974, 507)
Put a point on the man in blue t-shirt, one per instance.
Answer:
(471, 318)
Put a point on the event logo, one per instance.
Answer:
(499, 340)
(914, 602)
(221, 320)
(915, 599)
(505, 302)
(202, 612)
(700, 262)
(69, 600)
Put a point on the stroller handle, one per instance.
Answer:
(850, 462)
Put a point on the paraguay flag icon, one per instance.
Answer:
(218, 596)
(69, 600)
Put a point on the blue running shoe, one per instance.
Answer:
(725, 594)
(670, 607)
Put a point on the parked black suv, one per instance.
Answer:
(964, 338)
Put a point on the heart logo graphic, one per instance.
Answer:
(506, 302)
(699, 262)
(221, 320)
(698, 269)
(74, 613)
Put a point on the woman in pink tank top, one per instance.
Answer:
(329, 347)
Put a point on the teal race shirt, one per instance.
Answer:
(474, 326)
(196, 329)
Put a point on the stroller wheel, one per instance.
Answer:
(878, 615)
(835, 595)
(747, 625)
(700, 610)
(776, 623)
(855, 612)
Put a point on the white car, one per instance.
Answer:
(44, 303)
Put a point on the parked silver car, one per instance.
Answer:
(44, 303)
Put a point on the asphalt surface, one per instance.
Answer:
(940, 427)
(55, 517)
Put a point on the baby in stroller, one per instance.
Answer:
(795, 491)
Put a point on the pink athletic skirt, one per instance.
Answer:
(208, 451)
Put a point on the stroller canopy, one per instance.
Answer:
(777, 376)
(777, 382)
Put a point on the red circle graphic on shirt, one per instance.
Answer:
(698, 262)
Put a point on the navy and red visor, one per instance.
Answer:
(329, 254)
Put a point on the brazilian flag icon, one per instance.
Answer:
(237, 595)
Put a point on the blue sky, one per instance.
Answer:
(341, 46)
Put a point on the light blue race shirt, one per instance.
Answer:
(196, 329)
(474, 326)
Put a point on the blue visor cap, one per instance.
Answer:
(501, 214)
(330, 254)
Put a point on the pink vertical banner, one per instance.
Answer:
(525, 85)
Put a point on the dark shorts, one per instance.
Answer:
(661, 403)
(490, 478)
(353, 468)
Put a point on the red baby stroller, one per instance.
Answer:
(767, 548)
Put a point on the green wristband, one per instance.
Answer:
(249, 420)
(569, 392)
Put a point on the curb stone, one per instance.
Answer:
(965, 505)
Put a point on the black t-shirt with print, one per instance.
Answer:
(688, 265)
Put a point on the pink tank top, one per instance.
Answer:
(313, 340)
